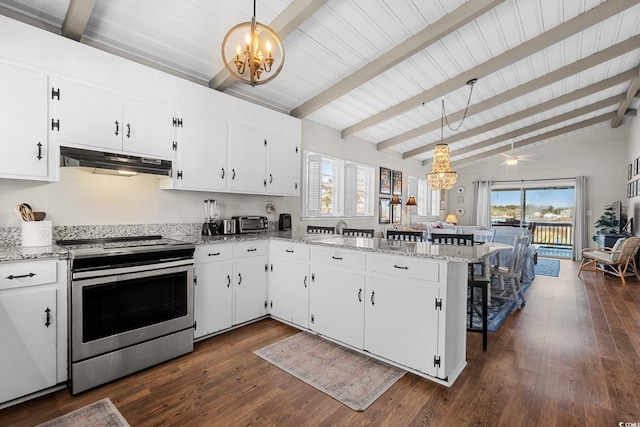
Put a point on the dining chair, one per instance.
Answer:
(452, 239)
(620, 260)
(319, 229)
(358, 232)
(413, 236)
(511, 272)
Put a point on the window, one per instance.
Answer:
(335, 187)
(554, 204)
(428, 200)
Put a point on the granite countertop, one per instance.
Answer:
(451, 253)
(10, 253)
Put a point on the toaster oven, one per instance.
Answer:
(251, 224)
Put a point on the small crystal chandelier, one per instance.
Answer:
(442, 176)
(262, 56)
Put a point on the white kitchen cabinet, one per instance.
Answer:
(263, 163)
(88, 116)
(289, 282)
(24, 148)
(415, 313)
(283, 165)
(250, 280)
(337, 293)
(213, 300)
(201, 162)
(402, 322)
(247, 159)
(33, 327)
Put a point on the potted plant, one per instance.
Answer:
(608, 222)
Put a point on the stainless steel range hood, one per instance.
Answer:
(112, 163)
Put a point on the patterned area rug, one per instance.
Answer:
(99, 414)
(547, 267)
(350, 377)
(502, 304)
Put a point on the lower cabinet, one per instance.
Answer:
(213, 289)
(289, 282)
(33, 327)
(336, 296)
(250, 280)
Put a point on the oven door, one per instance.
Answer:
(110, 312)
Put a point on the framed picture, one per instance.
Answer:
(385, 180)
(397, 183)
(396, 213)
(629, 171)
(384, 210)
(628, 190)
(636, 163)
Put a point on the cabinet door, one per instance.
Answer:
(23, 123)
(202, 153)
(213, 299)
(247, 159)
(402, 322)
(289, 291)
(336, 304)
(250, 282)
(87, 116)
(284, 165)
(148, 128)
(28, 356)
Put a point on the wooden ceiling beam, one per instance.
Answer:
(414, 44)
(284, 24)
(537, 126)
(631, 93)
(536, 109)
(76, 19)
(535, 84)
(542, 41)
(523, 143)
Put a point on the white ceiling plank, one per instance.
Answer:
(624, 105)
(554, 76)
(552, 36)
(412, 45)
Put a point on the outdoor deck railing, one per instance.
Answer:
(552, 234)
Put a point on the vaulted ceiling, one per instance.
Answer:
(379, 69)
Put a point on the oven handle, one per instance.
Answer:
(79, 275)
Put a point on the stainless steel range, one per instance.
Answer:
(131, 305)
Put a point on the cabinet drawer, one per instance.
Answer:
(210, 253)
(250, 249)
(339, 258)
(20, 274)
(404, 267)
(288, 250)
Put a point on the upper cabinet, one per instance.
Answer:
(263, 162)
(92, 117)
(24, 148)
(201, 163)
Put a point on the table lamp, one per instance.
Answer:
(451, 219)
(411, 203)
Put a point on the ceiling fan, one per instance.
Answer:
(512, 160)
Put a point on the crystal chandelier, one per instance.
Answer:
(442, 176)
(252, 52)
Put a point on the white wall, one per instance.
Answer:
(599, 154)
(324, 140)
(81, 198)
(633, 204)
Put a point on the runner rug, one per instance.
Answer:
(98, 414)
(354, 379)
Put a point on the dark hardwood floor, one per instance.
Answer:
(569, 358)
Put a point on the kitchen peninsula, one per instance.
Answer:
(401, 302)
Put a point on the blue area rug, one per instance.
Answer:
(502, 304)
(547, 267)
